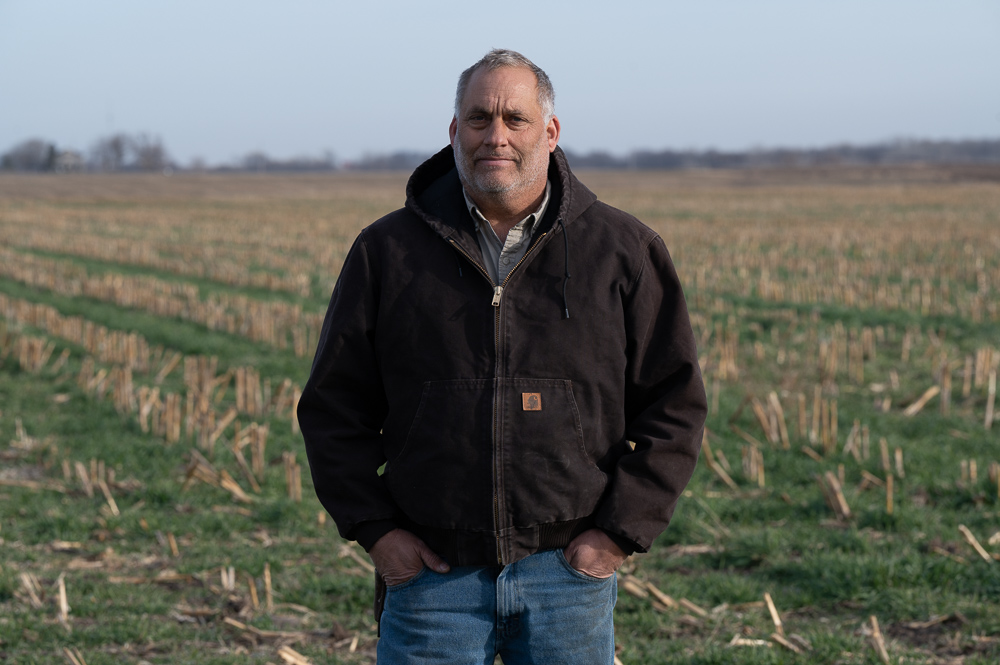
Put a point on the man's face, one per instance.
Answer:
(501, 140)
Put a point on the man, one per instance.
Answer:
(534, 431)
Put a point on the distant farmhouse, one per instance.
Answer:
(69, 161)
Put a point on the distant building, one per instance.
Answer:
(68, 161)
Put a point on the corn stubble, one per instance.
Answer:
(847, 323)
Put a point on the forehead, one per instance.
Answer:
(506, 87)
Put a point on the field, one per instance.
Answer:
(156, 507)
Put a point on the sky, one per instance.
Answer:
(218, 79)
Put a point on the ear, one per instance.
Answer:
(452, 130)
(552, 130)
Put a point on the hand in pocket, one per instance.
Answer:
(399, 556)
(593, 553)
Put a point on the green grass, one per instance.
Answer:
(109, 617)
(826, 577)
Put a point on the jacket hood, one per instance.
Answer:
(431, 188)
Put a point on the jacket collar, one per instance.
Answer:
(434, 193)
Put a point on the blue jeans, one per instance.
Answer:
(537, 610)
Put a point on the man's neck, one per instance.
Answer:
(503, 215)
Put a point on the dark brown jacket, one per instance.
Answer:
(503, 425)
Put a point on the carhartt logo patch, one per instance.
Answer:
(531, 401)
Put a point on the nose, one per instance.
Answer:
(496, 133)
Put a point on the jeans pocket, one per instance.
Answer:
(560, 554)
(409, 582)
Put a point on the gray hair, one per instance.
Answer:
(500, 57)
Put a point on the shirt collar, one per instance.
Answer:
(529, 221)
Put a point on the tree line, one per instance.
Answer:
(117, 152)
(888, 153)
(145, 152)
(139, 152)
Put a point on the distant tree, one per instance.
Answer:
(148, 153)
(108, 153)
(665, 159)
(260, 161)
(30, 155)
(594, 160)
(256, 161)
(397, 161)
(124, 152)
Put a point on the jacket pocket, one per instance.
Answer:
(443, 474)
(547, 474)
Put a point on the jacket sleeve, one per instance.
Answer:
(343, 406)
(665, 405)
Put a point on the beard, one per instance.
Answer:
(530, 167)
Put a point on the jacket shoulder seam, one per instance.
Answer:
(642, 266)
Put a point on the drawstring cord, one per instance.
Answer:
(566, 276)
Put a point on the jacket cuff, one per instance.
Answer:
(368, 533)
(624, 543)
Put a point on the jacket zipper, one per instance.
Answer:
(497, 295)
(496, 298)
(497, 292)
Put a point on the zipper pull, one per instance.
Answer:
(497, 292)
